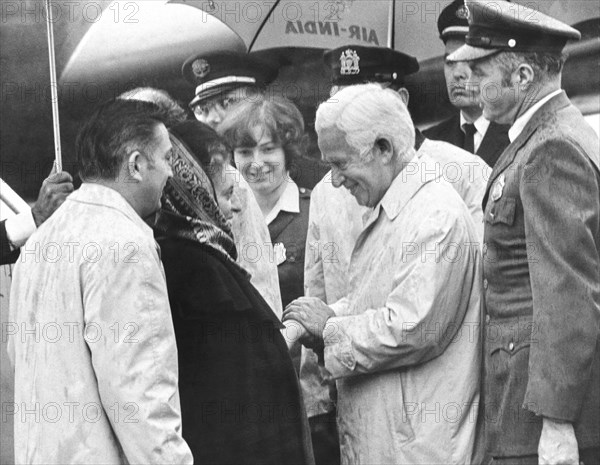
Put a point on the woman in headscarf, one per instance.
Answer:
(240, 399)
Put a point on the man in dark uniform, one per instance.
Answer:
(468, 128)
(541, 244)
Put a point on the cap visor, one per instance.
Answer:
(470, 53)
(209, 93)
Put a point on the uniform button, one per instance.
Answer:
(487, 319)
(511, 346)
(485, 283)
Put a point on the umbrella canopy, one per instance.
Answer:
(317, 24)
(153, 39)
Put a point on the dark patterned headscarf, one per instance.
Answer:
(189, 205)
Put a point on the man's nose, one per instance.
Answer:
(337, 178)
(461, 70)
(215, 116)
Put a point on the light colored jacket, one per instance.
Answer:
(335, 222)
(92, 340)
(404, 345)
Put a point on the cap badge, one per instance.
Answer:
(462, 12)
(349, 61)
(498, 187)
(200, 68)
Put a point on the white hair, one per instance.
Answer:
(365, 113)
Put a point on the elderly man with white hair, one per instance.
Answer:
(403, 345)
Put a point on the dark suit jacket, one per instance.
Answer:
(6, 254)
(290, 229)
(542, 283)
(492, 145)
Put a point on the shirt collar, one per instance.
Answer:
(517, 128)
(288, 202)
(481, 124)
(97, 194)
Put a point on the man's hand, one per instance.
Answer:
(558, 445)
(55, 189)
(312, 314)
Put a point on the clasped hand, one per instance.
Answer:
(312, 314)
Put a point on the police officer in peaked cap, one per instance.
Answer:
(541, 244)
(467, 128)
(222, 79)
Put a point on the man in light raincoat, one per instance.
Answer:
(91, 334)
(404, 344)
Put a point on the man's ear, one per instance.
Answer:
(386, 150)
(404, 95)
(136, 165)
(524, 75)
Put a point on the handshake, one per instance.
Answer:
(304, 320)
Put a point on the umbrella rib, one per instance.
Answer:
(263, 25)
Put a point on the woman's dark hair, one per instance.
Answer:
(279, 117)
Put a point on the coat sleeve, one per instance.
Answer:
(560, 192)
(423, 312)
(136, 361)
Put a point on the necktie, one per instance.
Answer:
(469, 130)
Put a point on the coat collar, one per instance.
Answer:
(547, 110)
(97, 194)
(403, 188)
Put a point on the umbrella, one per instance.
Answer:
(151, 40)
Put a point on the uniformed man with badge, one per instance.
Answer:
(542, 244)
(468, 128)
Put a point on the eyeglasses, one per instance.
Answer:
(222, 103)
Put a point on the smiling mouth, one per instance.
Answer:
(259, 176)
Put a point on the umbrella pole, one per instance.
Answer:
(392, 25)
(53, 88)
